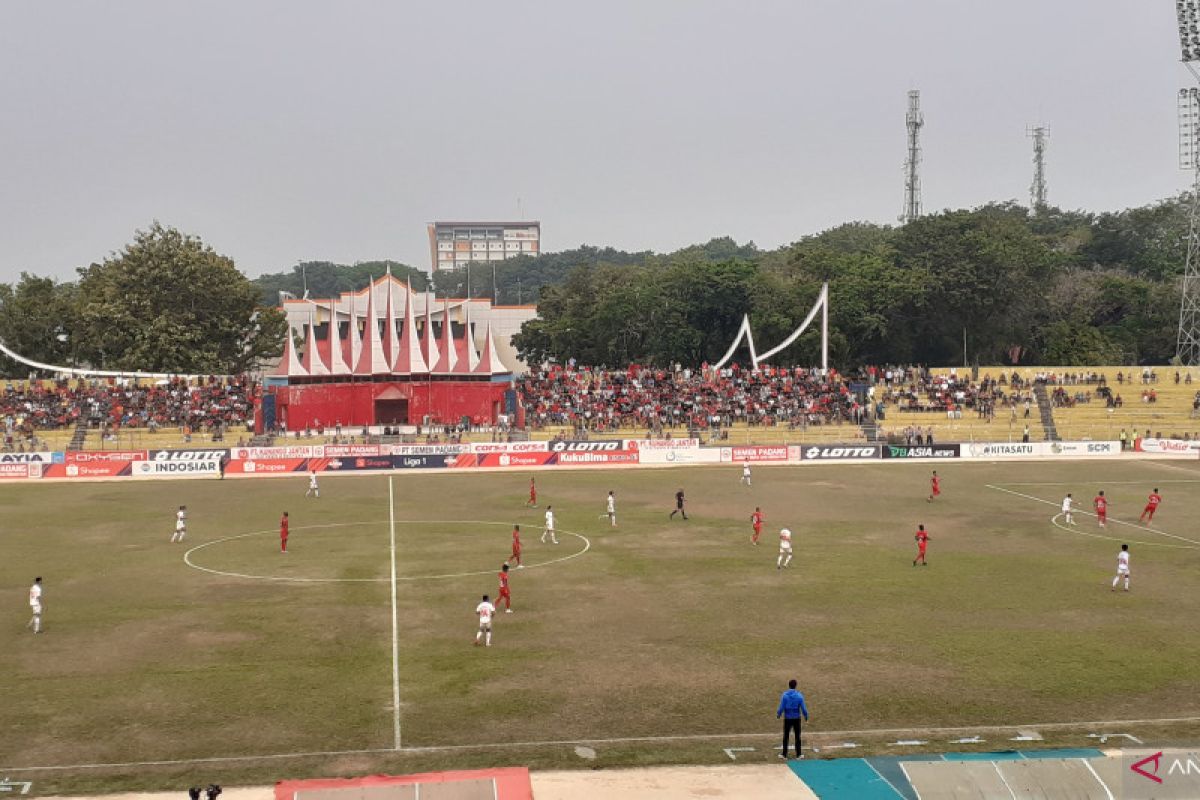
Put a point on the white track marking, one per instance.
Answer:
(899, 793)
(1003, 780)
(1155, 531)
(620, 740)
(1096, 775)
(187, 557)
(395, 618)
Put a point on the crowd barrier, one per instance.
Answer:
(331, 458)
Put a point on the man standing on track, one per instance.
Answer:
(516, 548)
(484, 611)
(922, 538)
(1068, 501)
(785, 549)
(791, 707)
(549, 529)
(283, 532)
(1101, 504)
(678, 506)
(1151, 506)
(757, 519)
(505, 597)
(35, 605)
(1122, 567)
(180, 524)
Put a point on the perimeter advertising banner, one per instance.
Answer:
(996, 451)
(426, 461)
(515, 459)
(921, 451)
(1169, 447)
(755, 453)
(592, 452)
(180, 463)
(95, 464)
(841, 452)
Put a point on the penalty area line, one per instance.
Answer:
(1155, 531)
(617, 740)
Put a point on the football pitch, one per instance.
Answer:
(224, 658)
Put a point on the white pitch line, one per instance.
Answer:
(187, 556)
(1003, 780)
(1054, 521)
(395, 618)
(1088, 513)
(1106, 483)
(618, 740)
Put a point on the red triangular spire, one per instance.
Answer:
(430, 345)
(312, 363)
(489, 361)
(289, 364)
(371, 360)
(409, 360)
(449, 355)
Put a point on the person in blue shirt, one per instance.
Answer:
(791, 708)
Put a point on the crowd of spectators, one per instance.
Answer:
(598, 399)
(212, 405)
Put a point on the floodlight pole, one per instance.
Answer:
(1188, 340)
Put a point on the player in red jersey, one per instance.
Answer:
(1151, 506)
(1101, 504)
(504, 593)
(757, 519)
(935, 486)
(922, 538)
(516, 548)
(283, 532)
(532, 494)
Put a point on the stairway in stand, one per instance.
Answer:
(1046, 411)
(78, 437)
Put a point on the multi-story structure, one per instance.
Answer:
(455, 244)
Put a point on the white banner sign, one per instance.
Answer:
(1176, 447)
(998, 451)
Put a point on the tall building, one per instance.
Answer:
(454, 244)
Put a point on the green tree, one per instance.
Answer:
(37, 320)
(169, 303)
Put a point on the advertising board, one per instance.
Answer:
(839, 452)
(921, 451)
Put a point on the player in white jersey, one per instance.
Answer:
(313, 489)
(548, 530)
(746, 473)
(611, 509)
(180, 524)
(35, 605)
(1068, 501)
(484, 611)
(1122, 567)
(785, 549)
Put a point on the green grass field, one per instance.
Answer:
(661, 628)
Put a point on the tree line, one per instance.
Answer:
(166, 303)
(991, 285)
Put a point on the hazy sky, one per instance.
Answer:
(286, 131)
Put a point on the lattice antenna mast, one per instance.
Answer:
(1188, 341)
(913, 121)
(1037, 189)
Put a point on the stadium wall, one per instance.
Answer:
(211, 463)
(303, 406)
